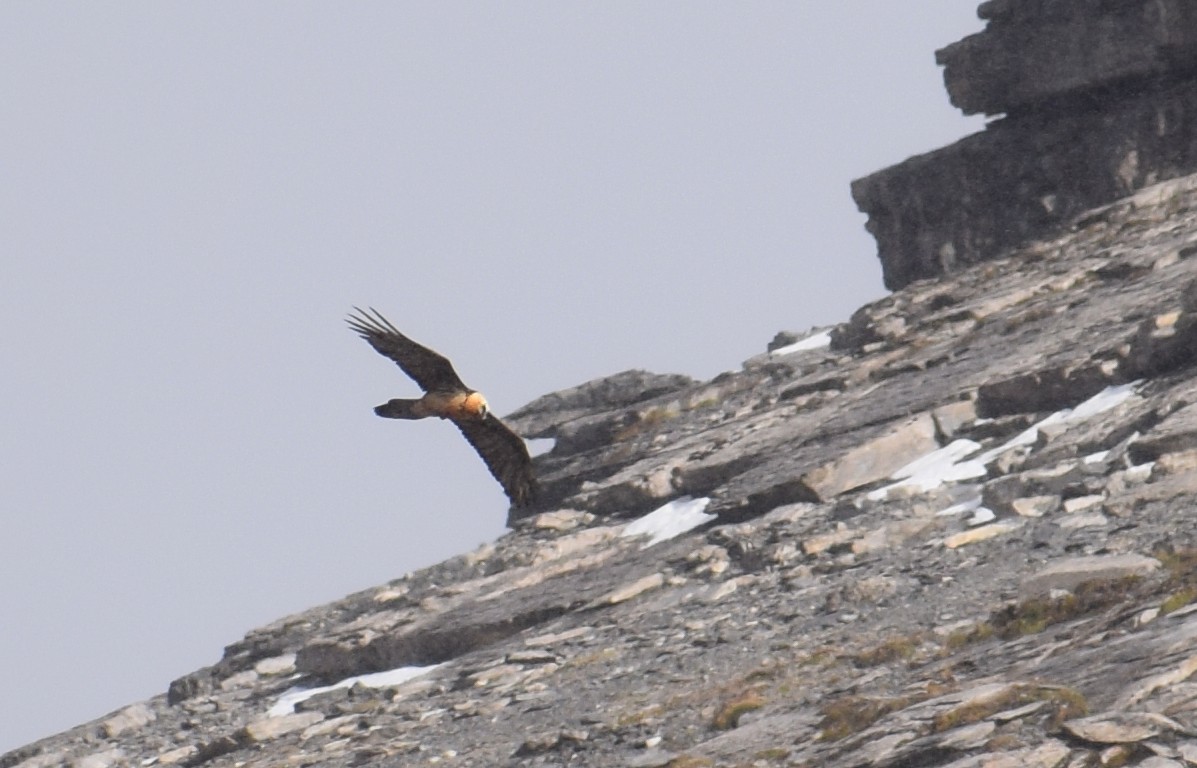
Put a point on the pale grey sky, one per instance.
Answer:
(193, 195)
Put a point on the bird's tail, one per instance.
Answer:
(400, 409)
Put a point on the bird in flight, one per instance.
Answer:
(447, 397)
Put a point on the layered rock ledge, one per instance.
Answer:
(1098, 102)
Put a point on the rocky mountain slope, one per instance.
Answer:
(955, 530)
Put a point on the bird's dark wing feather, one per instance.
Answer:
(505, 455)
(431, 370)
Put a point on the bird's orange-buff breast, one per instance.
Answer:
(458, 406)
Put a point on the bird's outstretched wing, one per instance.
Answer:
(506, 457)
(431, 370)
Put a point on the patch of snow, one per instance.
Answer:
(1096, 458)
(1110, 397)
(391, 677)
(814, 341)
(932, 470)
(673, 519)
(970, 504)
(980, 516)
(948, 464)
(1139, 471)
(1026, 437)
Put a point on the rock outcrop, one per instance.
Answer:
(1099, 100)
(954, 530)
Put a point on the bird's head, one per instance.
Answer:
(475, 405)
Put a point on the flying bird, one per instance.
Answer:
(447, 397)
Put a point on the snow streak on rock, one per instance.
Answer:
(286, 703)
(950, 463)
(815, 341)
(673, 519)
